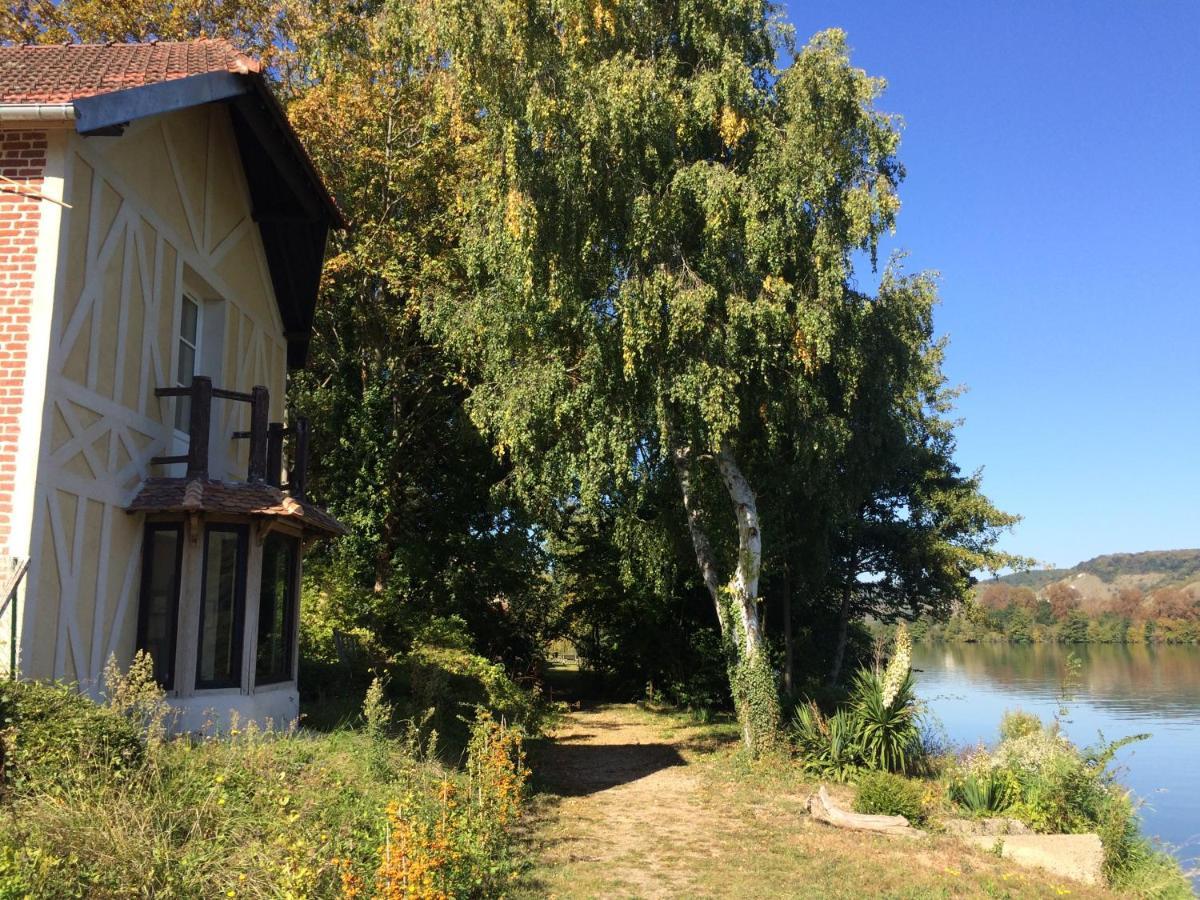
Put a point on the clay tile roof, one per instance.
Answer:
(59, 73)
(250, 499)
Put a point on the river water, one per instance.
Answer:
(1123, 690)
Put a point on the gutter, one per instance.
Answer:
(37, 112)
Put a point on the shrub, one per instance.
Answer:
(454, 682)
(1017, 723)
(878, 729)
(267, 815)
(983, 793)
(53, 738)
(885, 715)
(886, 794)
(453, 841)
(828, 745)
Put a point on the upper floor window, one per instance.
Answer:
(188, 356)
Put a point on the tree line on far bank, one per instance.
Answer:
(1059, 613)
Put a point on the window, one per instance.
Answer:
(276, 610)
(222, 603)
(189, 354)
(162, 554)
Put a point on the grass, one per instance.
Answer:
(253, 814)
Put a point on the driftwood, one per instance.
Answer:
(823, 809)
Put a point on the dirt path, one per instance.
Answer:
(635, 804)
(620, 807)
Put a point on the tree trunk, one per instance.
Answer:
(789, 647)
(705, 558)
(754, 685)
(839, 650)
(739, 612)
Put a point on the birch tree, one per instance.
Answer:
(655, 249)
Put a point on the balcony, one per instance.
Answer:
(263, 494)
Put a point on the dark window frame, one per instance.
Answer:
(239, 606)
(290, 616)
(168, 683)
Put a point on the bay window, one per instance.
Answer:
(222, 607)
(158, 612)
(277, 609)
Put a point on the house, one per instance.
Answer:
(161, 239)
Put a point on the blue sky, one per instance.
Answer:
(1053, 157)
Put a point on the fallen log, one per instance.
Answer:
(823, 809)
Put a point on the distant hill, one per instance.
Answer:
(1148, 571)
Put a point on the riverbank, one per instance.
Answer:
(1120, 690)
(634, 803)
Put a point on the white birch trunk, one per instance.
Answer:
(705, 558)
(749, 565)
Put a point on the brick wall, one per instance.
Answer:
(22, 160)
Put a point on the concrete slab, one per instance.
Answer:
(1079, 857)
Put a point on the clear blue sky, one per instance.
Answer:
(1053, 156)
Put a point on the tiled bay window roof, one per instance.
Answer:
(249, 499)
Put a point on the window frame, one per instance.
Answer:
(168, 683)
(290, 614)
(181, 403)
(239, 607)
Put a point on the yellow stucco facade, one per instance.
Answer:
(157, 212)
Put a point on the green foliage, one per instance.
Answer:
(827, 745)
(983, 793)
(1017, 724)
(260, 814)
(453, 683)
(1036, 775)
(888, 733)
(887, 794)
(876, 729)
(54, 739)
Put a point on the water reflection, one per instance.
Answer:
(1124, 689)
(1141, 681)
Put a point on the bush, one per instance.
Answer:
(454, 683)
(1016, 724)
(1039, 777)
(889, 736)
(828, 745)
(885, 794)
(983, 793)
(52, 738)
(454, 841)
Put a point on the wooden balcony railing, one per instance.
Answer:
(266, 438)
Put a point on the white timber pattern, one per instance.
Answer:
(164, 204)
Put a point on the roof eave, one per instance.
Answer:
(37, 112)
(295, 238)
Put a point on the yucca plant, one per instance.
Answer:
(983, 793)
(828, 745)
(885, 709)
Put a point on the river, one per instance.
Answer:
(1123, 690)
